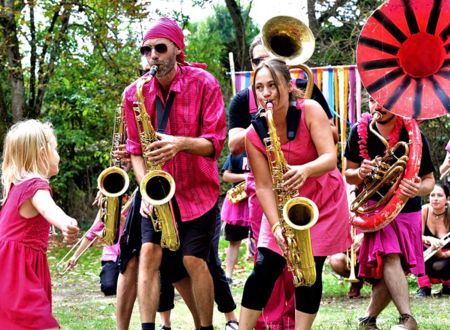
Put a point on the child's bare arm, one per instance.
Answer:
(46, 206)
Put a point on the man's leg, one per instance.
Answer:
(202, 288)
(148, 281)
(396, 283)
(184, 287)
(126, 294)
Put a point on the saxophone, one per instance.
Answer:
(296, 214)
(237, 194)
(157, 187)
(113, 182)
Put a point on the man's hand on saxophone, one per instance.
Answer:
(164, 149)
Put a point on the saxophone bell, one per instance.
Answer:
(113, 182)
(300, 214)
(157, 187)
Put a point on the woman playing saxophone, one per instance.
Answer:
(307, 145)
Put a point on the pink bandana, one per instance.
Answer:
(169, 29)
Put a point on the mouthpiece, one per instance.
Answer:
(269, 104)
(153, 70)
(377, 115)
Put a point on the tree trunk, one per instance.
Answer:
(8, 24)
(239, 29)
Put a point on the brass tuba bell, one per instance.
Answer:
(288, 39)
(292, 41)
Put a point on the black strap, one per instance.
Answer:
(163, 116)
(292, 121)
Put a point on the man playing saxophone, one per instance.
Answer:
(192, 111)
(307, 145)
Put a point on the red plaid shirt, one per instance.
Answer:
(197, 111)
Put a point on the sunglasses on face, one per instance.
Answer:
(159, 48)
(258, 60)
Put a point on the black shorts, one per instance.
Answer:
(108, 277)
(234, 233)
(196, 235)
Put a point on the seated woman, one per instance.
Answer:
(435, 226)
(306, 142)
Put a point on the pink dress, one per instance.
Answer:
(25, 284)
(331, 234)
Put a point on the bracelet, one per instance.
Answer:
(359, 174)
(275, 226)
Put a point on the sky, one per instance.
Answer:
(262, 10)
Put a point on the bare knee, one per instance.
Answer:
(195, 265)
(150, 257)
(338, 263)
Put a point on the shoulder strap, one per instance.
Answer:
(293, 120)
(260, 125)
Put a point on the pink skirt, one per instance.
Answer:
(402, 236)
(235, 214)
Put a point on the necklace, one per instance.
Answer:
(438, 215)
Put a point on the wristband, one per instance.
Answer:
(275, 226)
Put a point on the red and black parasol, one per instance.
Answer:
(403, 57)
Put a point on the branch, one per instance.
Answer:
(332, 11)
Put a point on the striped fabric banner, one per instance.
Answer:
(341, 86)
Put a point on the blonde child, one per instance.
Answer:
(30, 158)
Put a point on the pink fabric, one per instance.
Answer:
(331, 234)
(279, 312)
(25, 283)
(447, 147)
(424, 281)
(167, 28)
(235, 214)
(402, 236)
(110, 252)
(197, 111)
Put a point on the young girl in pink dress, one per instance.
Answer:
(30, 158)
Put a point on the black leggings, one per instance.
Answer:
(438, 268)
(269, 265)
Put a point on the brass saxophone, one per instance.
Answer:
(296, 214)
(237, 193)
(157, 187)
(113, 182)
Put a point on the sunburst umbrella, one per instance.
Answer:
(403, 57)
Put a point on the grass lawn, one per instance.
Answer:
(79, 304)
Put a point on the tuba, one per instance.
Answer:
(289, 39)
(157, 186)
(113, 182)
(402, 63)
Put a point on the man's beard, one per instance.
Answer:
(165, 67)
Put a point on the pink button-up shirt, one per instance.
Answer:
(197, 111)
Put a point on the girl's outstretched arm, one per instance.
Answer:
(46, 206)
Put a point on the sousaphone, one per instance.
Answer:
(403, 58)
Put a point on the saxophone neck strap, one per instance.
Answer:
(292, 120)
(163, 114)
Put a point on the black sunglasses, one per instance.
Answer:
(159, 48)
(258, 60)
